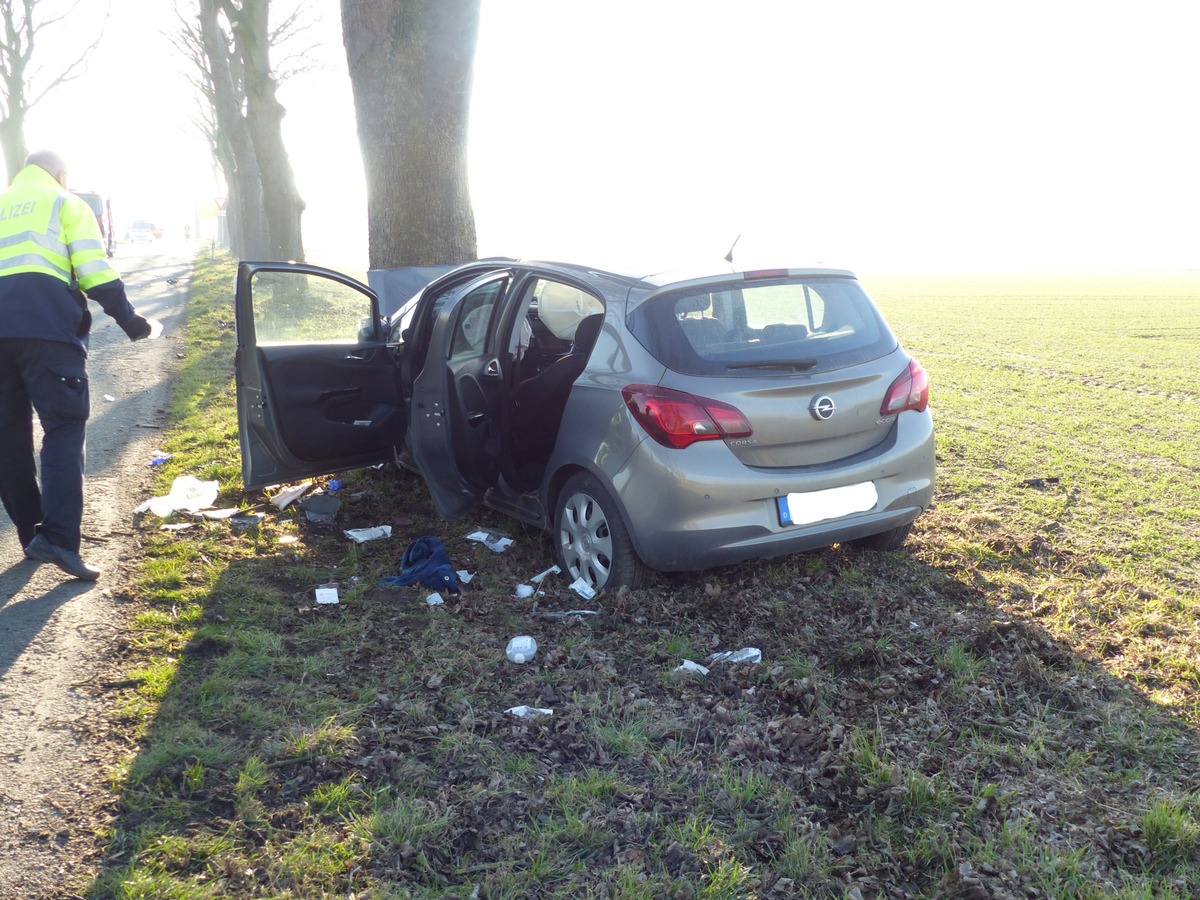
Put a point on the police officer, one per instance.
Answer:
(51, 255)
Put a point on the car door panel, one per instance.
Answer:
(457, 400)
(307, 404)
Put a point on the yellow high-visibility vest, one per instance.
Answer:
(45, 228)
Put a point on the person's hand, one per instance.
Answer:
(137, 328)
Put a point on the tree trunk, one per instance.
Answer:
(282, 203)
(235, 150)
(410, 64)
(12, 137)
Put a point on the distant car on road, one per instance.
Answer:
(142, 231)
(669, 422)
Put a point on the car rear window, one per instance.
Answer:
(754, 327)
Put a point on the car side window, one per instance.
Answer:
(474, 316)
(296, 307)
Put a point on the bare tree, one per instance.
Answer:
(21, 83)
(231, 43)
(411, 64)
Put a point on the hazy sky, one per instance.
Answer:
(876, 135)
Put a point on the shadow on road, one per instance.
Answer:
(21, 620)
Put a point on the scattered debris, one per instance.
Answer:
(493, 540)
(434, 599)
(577, 613)
(425, 560)
(523, 591)
(335, 485)
(289, 495)
(157, 458)
(583, 589)
(109, 398)
(528, 712)
(320, 509)
(362, 535)
(218, 514)
(521, 649)
(1041, 482)
(241, 524)
(327, 594)
(538, 578)
(687, 667)
(464, 576)
(746, 654)
(188, 494)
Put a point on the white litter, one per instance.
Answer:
(290, 495)
(464, 576)
(327, 594)
(217, 515)
(571, 612)
(746, 654)
(490, 539)
(361, 535)
(583, 589)
(553, 570)
(523, 591)
(188, 494)
(109, 398)
(528, 712)
(434, 599)
(689, 666)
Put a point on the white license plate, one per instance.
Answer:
(833, 503)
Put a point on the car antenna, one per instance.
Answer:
(729, 255)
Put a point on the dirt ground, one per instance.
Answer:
(55, 751)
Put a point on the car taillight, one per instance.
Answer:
(909, 391)
(678, 419)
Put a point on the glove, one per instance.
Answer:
(137, 328)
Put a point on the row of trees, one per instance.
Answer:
(410, 65)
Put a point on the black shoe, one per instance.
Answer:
(67, 560)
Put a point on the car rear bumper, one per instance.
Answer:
(693, 509)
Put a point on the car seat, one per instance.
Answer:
(541, 399)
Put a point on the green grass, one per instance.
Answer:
(1008, 706)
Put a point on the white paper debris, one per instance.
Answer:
(327, 593)
(528, 712)
(434, 599)
(490, 539)
(188, 494)
(577, 613)
(217, 514)
(746, 654)
(553, 570)
(583, 589)
(109, 398)
(689, 666)
(464, 576)
(290, 495)
(523, 591)
(361, 535)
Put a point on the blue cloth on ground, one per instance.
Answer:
(425, 560)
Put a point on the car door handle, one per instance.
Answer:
(330, 393)
(491, 369)
(475, 419)
(357, 357)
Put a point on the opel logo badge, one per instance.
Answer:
(822, 408)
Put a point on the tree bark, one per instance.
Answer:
(281, 200)
(411, 65)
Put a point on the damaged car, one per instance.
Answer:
(669, 422)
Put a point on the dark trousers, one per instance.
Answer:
(51, 378)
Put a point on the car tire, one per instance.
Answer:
(892, 539)
(590, 538)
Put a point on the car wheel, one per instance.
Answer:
(892, 539)
(591, 540)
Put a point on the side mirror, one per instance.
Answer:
(366, 330)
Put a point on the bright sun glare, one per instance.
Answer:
(928, 135)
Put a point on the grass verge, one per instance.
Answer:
(1007, 708)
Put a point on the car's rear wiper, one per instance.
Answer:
(801, 364)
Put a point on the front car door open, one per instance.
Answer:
(317, 384)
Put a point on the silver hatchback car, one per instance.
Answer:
(669, 422)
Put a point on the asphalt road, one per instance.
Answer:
(52, 627)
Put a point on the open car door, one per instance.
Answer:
(317, 385)
(458, 394)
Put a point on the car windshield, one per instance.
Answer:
(783, 325)
(94, 201)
